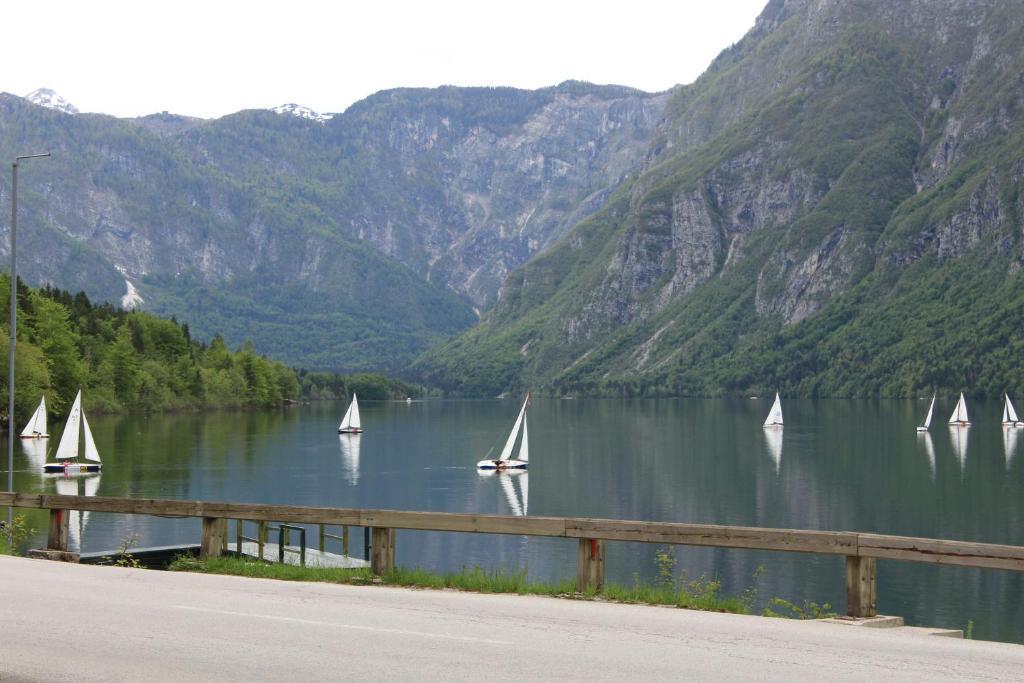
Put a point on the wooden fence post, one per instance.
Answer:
(382, 550)
(861, 587)
(57, 539)
(215, 531)
(591, 564)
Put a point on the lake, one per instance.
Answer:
(838, 465)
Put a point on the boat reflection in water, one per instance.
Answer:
(958, 436)
(929, 449)
(1009, 444)
(350, 456)
(35, 453)
(516, 486)
(773, 439)
(77, 520)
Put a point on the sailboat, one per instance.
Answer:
(69, 447)
(505, 461)
(1010, 418)
(959, 416)
(350, 424)
(774, 418)
(923, 427)
(36, 427)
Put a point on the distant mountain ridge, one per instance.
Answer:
(347, 243)
(833, 208)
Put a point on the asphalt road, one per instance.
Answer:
(84, 623)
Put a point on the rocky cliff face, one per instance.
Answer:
(838, 156)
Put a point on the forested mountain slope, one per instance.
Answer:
(833, 208)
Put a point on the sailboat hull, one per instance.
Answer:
(72, 468)
(350, 430)
(34, 436)
(502, 465)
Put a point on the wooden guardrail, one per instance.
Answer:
(861, 550)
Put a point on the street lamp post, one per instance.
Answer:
(13, 326)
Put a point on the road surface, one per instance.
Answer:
(87, 623)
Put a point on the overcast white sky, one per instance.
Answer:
(213, 57)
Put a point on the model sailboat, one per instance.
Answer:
(1010, 418)
(927, 418)
(69, 446)
(350, 424)
(505, 461)
(36, 427)
(774, 418)
(959, 416)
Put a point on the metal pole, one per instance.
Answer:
(13, 327)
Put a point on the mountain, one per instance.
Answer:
(833, 208)
(347, 243)
(48, 98)
(303, 112)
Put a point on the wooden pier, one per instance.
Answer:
(861, 550)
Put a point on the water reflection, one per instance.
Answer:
(77, 520)
(958, 436)
(1009, 444)
(929, 449)
(35, 453)
(515, 484)
(350, 456)
(773, 437)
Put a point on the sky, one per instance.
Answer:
(209, 58)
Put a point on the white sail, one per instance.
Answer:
(928, 417)
(1009, 414)
(959, 415)
(90, 446)
(506, 452)
(37, 423)
(774, 418)
(524, 447)
(68, 446)
(351, 419)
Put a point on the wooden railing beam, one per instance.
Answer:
(875, 546)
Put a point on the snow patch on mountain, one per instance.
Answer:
(302, 112)
(45, 97)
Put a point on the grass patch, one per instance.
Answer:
(701, 594)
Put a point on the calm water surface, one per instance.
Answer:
(839, 465)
